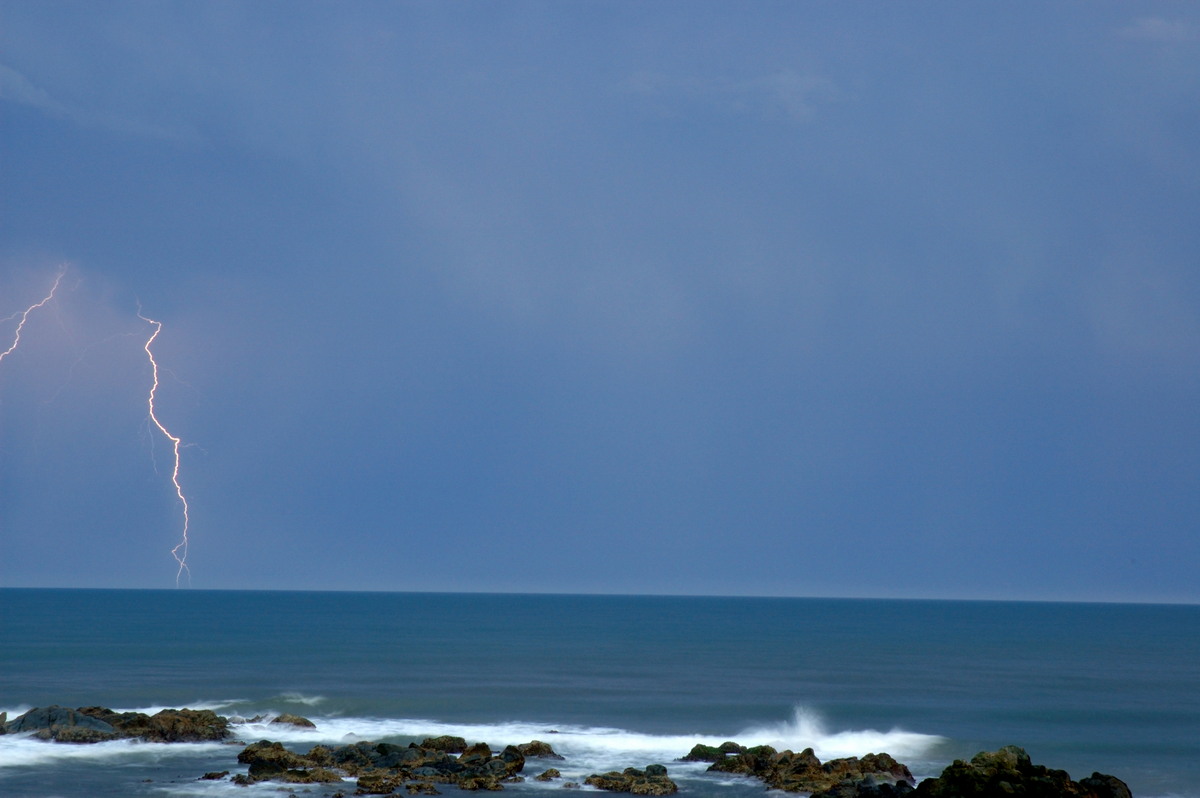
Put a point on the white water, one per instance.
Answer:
(587, 749)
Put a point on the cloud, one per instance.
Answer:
(16, 88)
(786, 92)
(1162, 31)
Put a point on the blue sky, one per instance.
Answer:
(783, 298)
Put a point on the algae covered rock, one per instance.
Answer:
(538, 749)
(1010, 772)
(651, 781)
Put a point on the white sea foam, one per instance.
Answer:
(300, 698)
(24, 750)
(215, 706)
(588, 749)
(807, 729)
(595, 747)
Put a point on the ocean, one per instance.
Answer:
(609, 681)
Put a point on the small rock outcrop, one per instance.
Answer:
(1009, 772)
(538, 749)
(295, 720)
(62, 724)
(96, 724)
(270, 761)
(651, 781)
(802, 772)
(447, 743)
(384, 768)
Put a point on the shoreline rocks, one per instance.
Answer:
(385, 768)
(802, 772)
(651, 781)
(98, 724)
(1009, 771)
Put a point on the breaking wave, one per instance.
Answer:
(587, 748)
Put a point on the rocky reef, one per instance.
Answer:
(651, 781)
(386, 768)
(802, 772)
(97, 724)
(1007, 773)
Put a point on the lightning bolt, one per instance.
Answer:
(25, 315)
(180, 551)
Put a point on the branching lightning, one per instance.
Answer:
(180, 551)
(24, 315)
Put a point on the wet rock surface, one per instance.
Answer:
(1009, 772)
(800, 772)
(651, 781)
(97, 724)
(386, 768)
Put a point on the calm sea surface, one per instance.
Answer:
(611, 682)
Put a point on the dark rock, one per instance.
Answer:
(1009, 772)
(447, 743)
(513, 759)
(214, 776)
(295, 720)
(1102, 785)
(549, 774)
(271, 761)
(474, 754)
(803, 772)
(378, 782)
(480, 782)
(62, 723)
(651, 781)
(867, 787)
(709, 753)
(422, 788)
(167, 726)
(383, 768)
(539, 749)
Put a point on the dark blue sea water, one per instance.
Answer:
(620, 681)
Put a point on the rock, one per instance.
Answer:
(802, 772)
(271, 761)
(1009, 771)
(447, 743)
(62, 723)
(214, 776)
(167, 726)
(382, 768)
(866, 788)
(295, 720)
(651, 781)
(378, 782)
(1104, 786)
(480, 782)
(549, 774)
(474, 754)
(708, 753)
(94, 724)
(539, 749)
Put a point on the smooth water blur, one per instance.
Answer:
(1113, 688)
